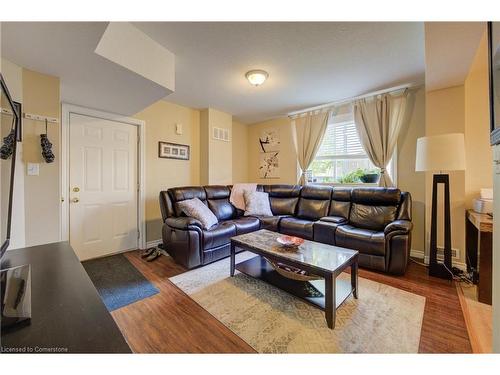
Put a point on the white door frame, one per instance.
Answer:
(68, 109)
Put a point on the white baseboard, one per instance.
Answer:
(421, 255)
(153, 243)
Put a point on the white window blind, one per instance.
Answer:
(340, 154)
(341, 140)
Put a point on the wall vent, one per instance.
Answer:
(220, 134)
(455, 253)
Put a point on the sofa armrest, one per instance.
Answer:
(182, 223)
(334, 219)
(399, 225)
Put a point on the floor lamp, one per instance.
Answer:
(437, 154)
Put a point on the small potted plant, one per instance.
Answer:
(370, 176)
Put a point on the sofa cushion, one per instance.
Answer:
(324, 231)
(364, 240)
(245, 224)
(283, 198)
(374, 208)
(297, 227)
(341, 202)
(334, 219)
(218, 202)
(376, 196)
(372, 217)
(314, 202)
(257, 203)
(270, 222)
(198, 210)
(219, 234)
(182, 193)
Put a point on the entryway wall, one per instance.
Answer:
(36, 200)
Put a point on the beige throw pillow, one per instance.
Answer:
(196, 209)
(257, 204)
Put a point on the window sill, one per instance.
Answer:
(336, 184)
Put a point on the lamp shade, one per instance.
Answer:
(444, 152)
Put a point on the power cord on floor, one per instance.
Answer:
(459, 275)
(456, 273)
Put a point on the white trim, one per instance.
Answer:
(421, 255)
(153, 243)
(67, 109)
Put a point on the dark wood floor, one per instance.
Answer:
(171, 322)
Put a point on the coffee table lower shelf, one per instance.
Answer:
(310, 291)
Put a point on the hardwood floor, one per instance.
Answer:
(171, 322)
(478, 319)
(443, 326)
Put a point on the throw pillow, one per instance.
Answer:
(196, 209)
(257, 204)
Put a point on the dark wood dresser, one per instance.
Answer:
(67, 313)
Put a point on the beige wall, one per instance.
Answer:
(216, 155)
(287, 156)
(408, 179)
(204, 147)
(445, 113)
(240, 152)
(41, 193)
(162, 174)
(478, 154)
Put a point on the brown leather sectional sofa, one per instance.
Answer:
(374, 221)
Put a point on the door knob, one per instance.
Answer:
(75, 200)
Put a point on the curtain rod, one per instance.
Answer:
(345, 101)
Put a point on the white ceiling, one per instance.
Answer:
(66, 50)
(450, 48)
(308, 63)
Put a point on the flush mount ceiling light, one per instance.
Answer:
(257, 77)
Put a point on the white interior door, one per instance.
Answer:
(103, 186)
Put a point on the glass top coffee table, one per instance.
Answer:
(321, 263)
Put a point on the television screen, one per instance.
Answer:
(494, 51)
(8, 140)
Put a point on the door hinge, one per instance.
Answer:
(138, 187)
(138, 235)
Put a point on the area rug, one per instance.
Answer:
(383, 320)
(118, 282)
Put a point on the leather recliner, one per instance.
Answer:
(374, 221)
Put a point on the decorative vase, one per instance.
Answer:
(370, 178)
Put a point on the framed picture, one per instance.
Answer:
(169, 150)
(269, 140)
(269, 165)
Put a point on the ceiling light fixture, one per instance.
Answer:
(257, 77)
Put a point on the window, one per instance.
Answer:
(341, 155)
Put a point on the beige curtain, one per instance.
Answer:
(378, 122)
(307, 132)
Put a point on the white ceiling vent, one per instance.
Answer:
(220, 134)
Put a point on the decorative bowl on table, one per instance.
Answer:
(290, 241)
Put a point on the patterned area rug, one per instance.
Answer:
(383, 320)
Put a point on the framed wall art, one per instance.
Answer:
(169, 150)
(269, 140)
(269, 165)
